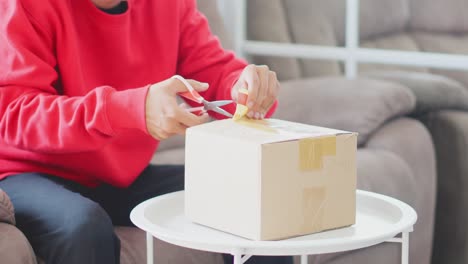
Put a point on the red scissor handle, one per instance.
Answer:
(192, 94)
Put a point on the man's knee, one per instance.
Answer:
(88, 225)
(85, 236)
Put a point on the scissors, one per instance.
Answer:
(194, 96)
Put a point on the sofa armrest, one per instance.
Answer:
(7, 213)
(432, 92)
(449, 131)
(360, 105)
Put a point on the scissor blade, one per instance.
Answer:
(212, 105)
(221, 111)
(221, 103)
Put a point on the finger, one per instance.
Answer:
(263, 73)
(272, 93)
(179, 84)
(193, 110)
(205, 118)
(173, 126)
(199, 86)
(179, 129)
(161, 134)
(188, 119)
(235, 92)
(252, 82)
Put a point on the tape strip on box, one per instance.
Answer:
(262, 125)
(313, 150)
(314, 200)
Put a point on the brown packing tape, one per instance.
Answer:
(314, 200)
(313, 150)
(241, 111)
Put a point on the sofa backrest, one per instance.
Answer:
(211, 10)
(442, 16)
(321, 23)
(387, 24)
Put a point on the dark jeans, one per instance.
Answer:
(68, 223)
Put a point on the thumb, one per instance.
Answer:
(199, 86)
(234, 93)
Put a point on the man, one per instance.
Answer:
(85, 97)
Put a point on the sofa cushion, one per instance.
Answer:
(377, 17)
(320, 30)
(439, 15)
(211, 10)
(172, 143)
(175, 156)
(7, 213)
(14, 247)
(262, 28)
(445, 43)
(399, 41)
(361, 105)
(432, 92)
(287, 28)
(449, 131)
(382, 17)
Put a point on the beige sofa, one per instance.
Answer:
(396, 155)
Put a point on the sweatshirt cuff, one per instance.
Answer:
(127, 109)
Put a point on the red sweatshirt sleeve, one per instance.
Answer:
(202, 58)
(33, 115)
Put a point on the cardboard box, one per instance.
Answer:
(270, 179)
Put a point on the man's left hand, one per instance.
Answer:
(263, 87)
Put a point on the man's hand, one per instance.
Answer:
(164, 117)
(263, 87)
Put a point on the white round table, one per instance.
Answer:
(379, 219)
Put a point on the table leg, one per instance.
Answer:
(405, 248)
(149, 249)
(304, 259)
(237, 259)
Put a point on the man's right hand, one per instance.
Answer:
(164, 117)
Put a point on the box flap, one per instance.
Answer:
(265, 131)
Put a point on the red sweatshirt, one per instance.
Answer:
(73, 82)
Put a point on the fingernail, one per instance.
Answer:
(250, 114)
(205, 85)
(257, 115)
(250, 104)
(262, 116)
